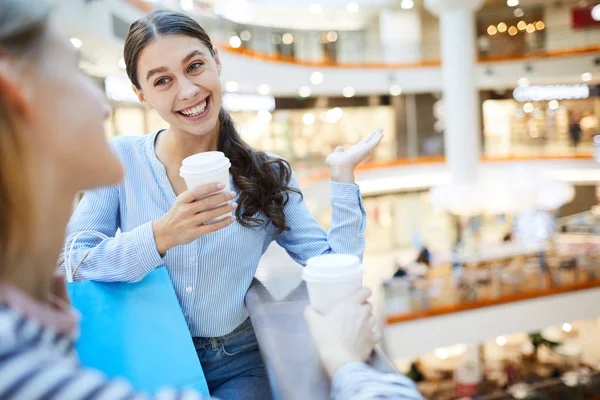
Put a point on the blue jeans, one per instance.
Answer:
(232, 365)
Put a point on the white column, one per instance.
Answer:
(461, 99)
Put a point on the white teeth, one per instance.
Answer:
(194, 112)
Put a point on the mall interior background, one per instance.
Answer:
(302, 77)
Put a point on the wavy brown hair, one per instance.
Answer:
(264, 181)
(22, 28)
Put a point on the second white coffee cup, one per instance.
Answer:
(331, 278)
(206, 168)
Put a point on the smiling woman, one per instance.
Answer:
(175, 70)
(186, 92)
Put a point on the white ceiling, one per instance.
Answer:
(296, 14)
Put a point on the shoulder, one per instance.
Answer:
(277, 162)
(130, 148)
(124, 143)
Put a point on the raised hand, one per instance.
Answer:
(343, 162)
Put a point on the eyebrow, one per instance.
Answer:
(160, 70)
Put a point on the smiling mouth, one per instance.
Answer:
(196, 110)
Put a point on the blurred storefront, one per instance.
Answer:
(540, 119)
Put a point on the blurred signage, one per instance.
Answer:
(248, 102)
(583, 17)
(118, 88)
(551, 92)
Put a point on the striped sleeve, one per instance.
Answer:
(128, 257)
(357, 381)
(306, 238)
(28, 374)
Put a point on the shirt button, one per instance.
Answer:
(185, 315)
(191, 259)
(188, 289)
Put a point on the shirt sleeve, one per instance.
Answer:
(126, 257)
(307, 239)
(358, 381)
(30, 374)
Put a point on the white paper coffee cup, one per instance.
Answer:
(331, 278)
(206, 168)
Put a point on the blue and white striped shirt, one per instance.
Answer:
(212, 274)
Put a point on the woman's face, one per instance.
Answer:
(179, 78)
(63, 112)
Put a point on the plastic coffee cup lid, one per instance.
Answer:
(202, 163)
(332, 267)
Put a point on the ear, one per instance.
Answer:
(141, 97)
(218, 61)
(13, 92)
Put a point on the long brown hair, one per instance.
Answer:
(263, 180)
(22, 28)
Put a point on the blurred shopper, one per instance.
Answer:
(416, 269)
(575, 130)
(50, 150)
(175, 70)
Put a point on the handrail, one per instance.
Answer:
(575, 51)
(316, 176)
(477, 304)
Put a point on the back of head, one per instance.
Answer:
(22, 27)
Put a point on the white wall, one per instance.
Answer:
(400, 35)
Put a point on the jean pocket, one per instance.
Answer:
(243, 341)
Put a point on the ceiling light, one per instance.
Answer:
(245, 35)
(518, 12)
(264, 116)
(522, 25)
(395, 90)
(348, 92)
(596, 12)
(122, 64)
(553, 105)
(235, 42)
(308, 119)
(264, 89)
(187, 5)
(276, 39)
(530, 28)
(567, 327)
(407, 4)
(586, 77)
(502, 27)
(304, 91)
(528, 107)
(332, 36)
(501, 341)
(540, 25)
(523, 82)
(442, 354)
(512, 31)
(334, 115)
(77, 43)
(492, 30)
(232, 86)
(316, 9)
(287, 38)
(316, 78)
(512, 3)
(352, 7)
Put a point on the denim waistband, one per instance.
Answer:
(203, 341)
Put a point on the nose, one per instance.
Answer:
(187, 89)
